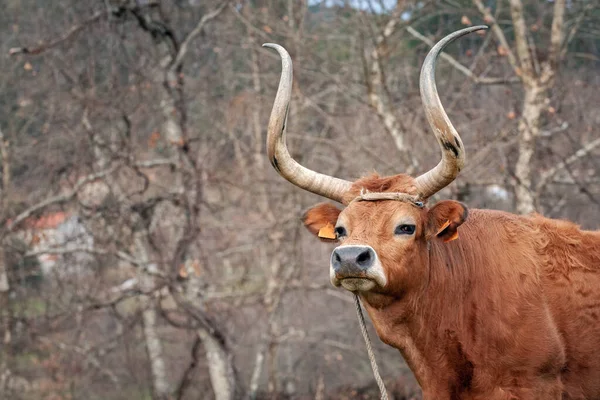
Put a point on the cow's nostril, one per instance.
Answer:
(337, 258)
(352, 260)
(364, 258)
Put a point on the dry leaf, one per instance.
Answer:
(35, 239)
(183, 271)
(197, 268)
(267, 29)
(511, 115)
(551, 110)
(502, 50)
(179, 142)
(465, 20)
(153, 140)
(488, 18)
(27, 66)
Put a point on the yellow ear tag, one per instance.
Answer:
(446, 224)
(451, 238)
(327, 232)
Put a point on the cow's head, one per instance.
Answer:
(386, 229)
(384, 234)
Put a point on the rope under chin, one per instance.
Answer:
(363, 330)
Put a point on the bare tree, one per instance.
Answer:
(149, 250)
(538, 78)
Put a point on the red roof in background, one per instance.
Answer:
(48, 221)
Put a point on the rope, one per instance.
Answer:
(363, 330)
(375, 196)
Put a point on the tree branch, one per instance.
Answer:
(98, 251)
(574, 28)
(186, 380)
(376, 86)
(5, 161)
(183, 49)
(159, 162)
(549, 174)
(60, 198)
(556, 36)
(461, 68)
(520, 29)
(251, 27)
(63, 38)
(490, 19)
(89, 357)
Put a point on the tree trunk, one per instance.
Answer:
(221, 369)
(5, 311)
(376, 85)
(220, 366)
(537, 81)
(160, 382)
(529, 130)
(5, 157)
(5, 321)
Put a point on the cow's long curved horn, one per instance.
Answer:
(453, 153)
(282, 161)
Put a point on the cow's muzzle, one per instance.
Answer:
(356, 268)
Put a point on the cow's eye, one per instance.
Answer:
(404, 229)
(340, 231)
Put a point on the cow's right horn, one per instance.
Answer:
(453, 153)
(282, 161)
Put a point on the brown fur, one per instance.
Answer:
(509, 310)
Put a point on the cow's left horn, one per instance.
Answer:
(282, 161)
(453, 153)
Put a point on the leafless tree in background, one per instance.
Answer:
(149, 250)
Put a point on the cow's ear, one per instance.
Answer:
(444, 218)
(320, 220)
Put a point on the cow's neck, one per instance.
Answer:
(397, 325)
(415, 322)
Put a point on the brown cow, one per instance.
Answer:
(482, 304)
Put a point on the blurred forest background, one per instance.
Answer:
(149, 250)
